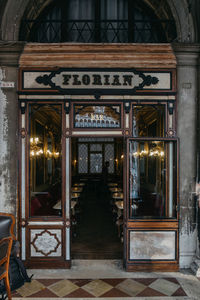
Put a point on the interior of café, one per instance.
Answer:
(96, 175)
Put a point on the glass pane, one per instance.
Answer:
(95, 147)
(152, 179)
(97, 116)
(95, 163)
(82, 158)
(109, 157)
(148, 120)
(45, 160)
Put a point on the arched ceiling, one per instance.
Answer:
(14, 11)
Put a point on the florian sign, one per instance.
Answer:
(96, 81)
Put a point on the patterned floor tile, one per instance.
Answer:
(80, 282)
(145, 281)
(104, 288)
(113, 281)
(46, 293)
(174, 280)
(30, 287)
(97, 287)
(179, 292)
(48, 282)
(114, 293)
(63, 287)
(80, 293)
(148, 292)
(164, 286)
(131, 287)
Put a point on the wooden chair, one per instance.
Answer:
(5, 250)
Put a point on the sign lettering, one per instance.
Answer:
(102, 81)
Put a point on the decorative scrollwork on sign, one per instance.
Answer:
(46, 242)
(97, 82)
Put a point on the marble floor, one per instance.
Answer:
(106, 279)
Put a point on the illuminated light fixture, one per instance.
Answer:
(122, 156)
(36, 150)
(50, 154)
(143, 153)
(152, 153)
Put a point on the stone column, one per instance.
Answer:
(187, 87)
(9, 58)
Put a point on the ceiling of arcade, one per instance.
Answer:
(11, 14)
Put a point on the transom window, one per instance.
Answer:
(99, 21)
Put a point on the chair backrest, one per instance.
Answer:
(5, 250)
(7, 222)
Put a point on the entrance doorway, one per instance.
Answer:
(97, 198)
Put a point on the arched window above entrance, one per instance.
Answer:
(100, 21)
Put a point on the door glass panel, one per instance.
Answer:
(148, 120)
(45, 159)
(109, 156)
(97, 116)
(95, 147)
(152, 179)
(82, 158)
(95, 163)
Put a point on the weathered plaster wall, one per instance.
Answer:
(187, 58)
(9, 56)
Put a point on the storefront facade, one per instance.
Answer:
(70, 96)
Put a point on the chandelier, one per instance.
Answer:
(36, 149)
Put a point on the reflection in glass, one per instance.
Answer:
(97, 116)
(148, 120)
(151, 163)
(96, 160)
(45, 160)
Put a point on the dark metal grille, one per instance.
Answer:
(104, 31)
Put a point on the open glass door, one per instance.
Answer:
(45, 225)
(151, 217)
(152, 225)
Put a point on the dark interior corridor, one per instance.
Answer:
(96, 234)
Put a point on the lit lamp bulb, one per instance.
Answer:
(56, 154)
